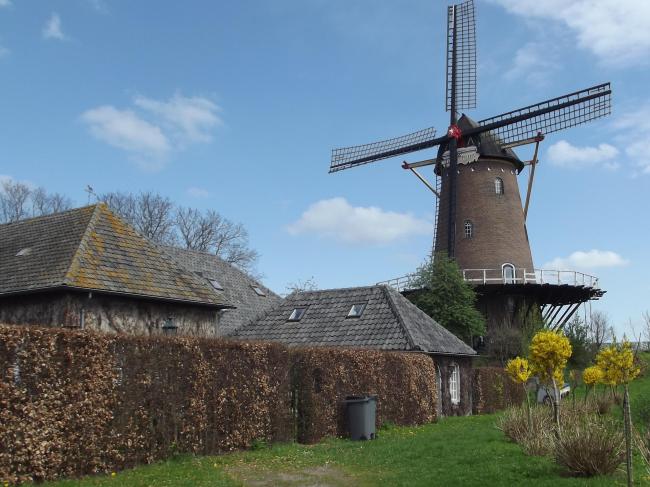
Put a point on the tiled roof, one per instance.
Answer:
(237, 287)
(389, 322)
(91, 248)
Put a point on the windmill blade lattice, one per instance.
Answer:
(357, 155)
(550, 116)
(464, 25)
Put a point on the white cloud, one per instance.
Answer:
(4, 52)
(191, 118)
(634, 135)
(587, 260)
(5, 3)
(126, 130)
(335, 218)
(195, 192)
(564, 154)
(615, 31)
(52, 28)
(533, 62)
(158, 128)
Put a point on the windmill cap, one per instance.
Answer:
(488, 144)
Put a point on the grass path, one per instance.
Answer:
(467, 451)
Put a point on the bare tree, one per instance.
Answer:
(150, 213)
(301, 285)
(210, 232)
(646, 329)
(19, 201)
(599, 329)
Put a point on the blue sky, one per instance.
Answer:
(236, 105)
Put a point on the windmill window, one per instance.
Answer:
(469, 229)
(356, 310)
(258, 291)
(498, 186)
(454, 384)
(508, 271)
(297, 314)
(216, 284)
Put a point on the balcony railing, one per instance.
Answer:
(520, 276)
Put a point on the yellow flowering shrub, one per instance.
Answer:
(518, 370)
(593, 375)
(617, 364)
(549, 353)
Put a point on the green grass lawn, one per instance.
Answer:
(463, 451)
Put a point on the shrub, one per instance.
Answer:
(590, 445)
(534, 439)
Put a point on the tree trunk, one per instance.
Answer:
(628, 435)
(530, 420)
(556, 407)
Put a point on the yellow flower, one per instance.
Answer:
(549, 353)
(519, 370)
(617, 364)
(593, 375)
(113, 474)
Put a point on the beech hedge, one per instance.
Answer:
(493, 390)
(403, 383)
(77, 402)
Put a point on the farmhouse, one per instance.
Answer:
(87, 268)
(375, 317)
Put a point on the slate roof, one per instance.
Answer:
(389, 322)
(92, 249)
(237, 287)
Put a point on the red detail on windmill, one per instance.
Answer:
(454, 132)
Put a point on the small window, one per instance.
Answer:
(508, 271)
(297, 314)
(258, 291)
(454, 384)
(23, 252)
(498, 186)
(356, 310)
(469, 229)
(216, 284)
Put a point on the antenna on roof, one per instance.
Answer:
(91, 192)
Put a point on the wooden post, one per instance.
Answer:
(628, 435)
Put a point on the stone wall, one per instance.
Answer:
(444, 366)
(106, 313)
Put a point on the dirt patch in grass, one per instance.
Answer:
(319, 476)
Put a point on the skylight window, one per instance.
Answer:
(297, 314)
(356, 310)
(25, 251)
(216, 284)
(258, 291)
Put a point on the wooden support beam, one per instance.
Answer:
(531, 176)
(426, 183)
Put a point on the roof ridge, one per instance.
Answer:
(393, 308)
(91, 224)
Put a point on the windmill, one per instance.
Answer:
(485, 231)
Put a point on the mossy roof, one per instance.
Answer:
(92, 249)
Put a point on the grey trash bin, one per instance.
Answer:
(360, 413)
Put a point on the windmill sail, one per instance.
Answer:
(550, 116)
(461, 22)
(357, 155)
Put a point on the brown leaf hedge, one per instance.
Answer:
(403, 383)
(77, 402)
(494, 391)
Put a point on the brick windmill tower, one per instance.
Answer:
(480, 218)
